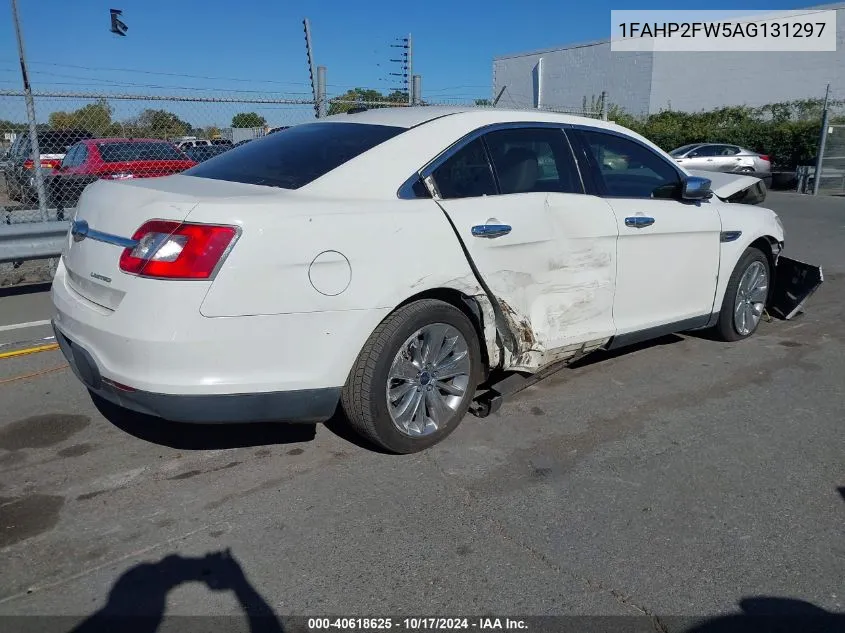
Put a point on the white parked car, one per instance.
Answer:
(196, 142)
(392, 260)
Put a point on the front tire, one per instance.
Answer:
(745, 297)
(415, 377)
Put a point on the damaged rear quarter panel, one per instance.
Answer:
(395, 250)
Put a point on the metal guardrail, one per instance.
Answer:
(32, 240)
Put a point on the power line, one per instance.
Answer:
(166, 74)
(132, 85)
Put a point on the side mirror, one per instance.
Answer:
(696, 188)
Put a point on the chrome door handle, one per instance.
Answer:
(490, 230)
(639, 221)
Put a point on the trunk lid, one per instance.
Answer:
(146, 168)
(117, 209)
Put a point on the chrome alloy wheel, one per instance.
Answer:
(750, 300)
(428, 379)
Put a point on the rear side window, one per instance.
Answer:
(533, 159)
(127, 152)
(706, 150)
(299, 156)
(466, 174)
(72, 158)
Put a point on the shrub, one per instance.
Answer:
(788, 132)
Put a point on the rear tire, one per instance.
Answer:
(745, 297)
(415, 377)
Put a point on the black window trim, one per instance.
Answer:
(598, 185)
(406, 192)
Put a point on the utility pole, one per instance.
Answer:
(30, 114)
(404, 62)
(312, 71)
(410, 69)
(822, 142)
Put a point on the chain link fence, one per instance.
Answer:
(832, 179)
(83, 137)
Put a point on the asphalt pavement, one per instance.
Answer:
(686, 477)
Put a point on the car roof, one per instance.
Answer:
(427, 132)
(102, 141)
(412, 116)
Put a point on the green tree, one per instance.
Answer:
(366, 97)
(94, 117)
(248, 119)
(483, 102)
(158, 124)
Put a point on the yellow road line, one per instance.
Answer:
(34, 374)
(30, 350)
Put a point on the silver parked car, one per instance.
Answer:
(721, 157)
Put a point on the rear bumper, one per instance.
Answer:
(304, 405)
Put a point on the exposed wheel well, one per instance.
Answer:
(466, 304)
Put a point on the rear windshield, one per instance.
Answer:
(299, 156)
(59, 142)
(129, 151)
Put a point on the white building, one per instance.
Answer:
(647, 82)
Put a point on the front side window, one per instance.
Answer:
(466, 174)
(706, 150)
(682, 150)
(299, 156)
(628, 169)
(533, 159)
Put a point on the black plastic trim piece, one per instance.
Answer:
(631, 338)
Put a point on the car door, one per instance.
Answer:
(62, 182)
(20, 175)
(668, 250)
(544, 249)
(703, 157)
(725, 158)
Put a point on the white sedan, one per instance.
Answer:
(391, 261)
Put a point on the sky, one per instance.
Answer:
(256, 48)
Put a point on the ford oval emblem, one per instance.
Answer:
(79, 230)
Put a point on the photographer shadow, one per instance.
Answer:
(138, 599)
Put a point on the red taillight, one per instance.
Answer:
(765, 158)
(172, 250)
(46, 163)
